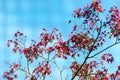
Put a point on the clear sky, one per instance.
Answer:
(30, 16)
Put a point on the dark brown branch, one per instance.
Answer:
(80, 68)
(89, 52)
(104, 49)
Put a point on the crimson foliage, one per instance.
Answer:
(85, 40)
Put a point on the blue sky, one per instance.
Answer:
(30, 16)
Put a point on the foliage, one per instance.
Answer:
(85, 40)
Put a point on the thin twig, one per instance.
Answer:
(104, 49)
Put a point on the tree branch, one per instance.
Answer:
(89, 52)
(104, 49)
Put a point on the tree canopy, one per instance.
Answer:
(86, 40)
